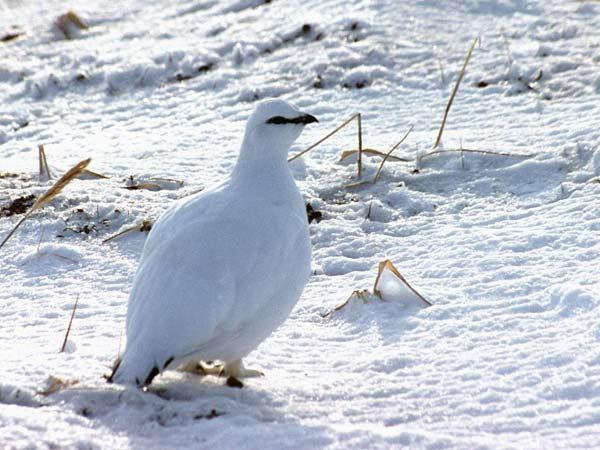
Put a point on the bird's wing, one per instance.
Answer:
(166, 229)
(198, 277)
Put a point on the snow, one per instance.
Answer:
(506, 247)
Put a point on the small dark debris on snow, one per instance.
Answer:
(482, 84)
(86, 229)
(215, 31)
(21, 125)
(340, 197)
(205, 67)
(415, 171)
(78, 213)
(181, 77)
(80, 77)
(357, 32)
(318, 83)
(11, 36)
(356, 85)
(4, 175)
(211, 415)
(313, 214)
(19, 205)
(200, 69)
(304, 31)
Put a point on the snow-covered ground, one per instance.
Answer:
(506, 247)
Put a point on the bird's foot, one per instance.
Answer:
(237, 370)
(234, 371)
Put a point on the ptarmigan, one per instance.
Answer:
(221, 270)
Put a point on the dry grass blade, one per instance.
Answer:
(44, 170)
(470, 150)
(359, 162)
(509, 57)
(55, 384)
(56, 188)
(62, 182)
(346, 122)
(364, 295)
(387, 264)
(356, 294)
(89, 174)
(454, 91)
(69, 22)
(168, 180)
(357, 184)
(147, 186)
(45, 174)
(388, 154)
(121, 233)
(64, 344)
(372, 152)
(146, 225)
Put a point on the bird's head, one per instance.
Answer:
(276, 124)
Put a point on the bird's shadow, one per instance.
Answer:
(198, 406)
(388, 319)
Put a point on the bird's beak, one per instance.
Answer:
(306, 119)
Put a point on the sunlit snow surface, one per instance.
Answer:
(508, 249)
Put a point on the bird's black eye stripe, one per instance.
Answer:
(304, 120)
(279, 120)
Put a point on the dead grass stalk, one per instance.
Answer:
(454, 91)
(64, 344)
(56, 188)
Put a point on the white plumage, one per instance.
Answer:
(221, 270)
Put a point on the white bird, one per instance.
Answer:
(221, 270)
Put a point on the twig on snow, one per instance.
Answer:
(327, 136)
(388, 154)
(64, 344)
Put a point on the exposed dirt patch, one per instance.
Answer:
(19, 205)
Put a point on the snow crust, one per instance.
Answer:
(506, 247)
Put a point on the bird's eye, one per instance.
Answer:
(278, 120)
